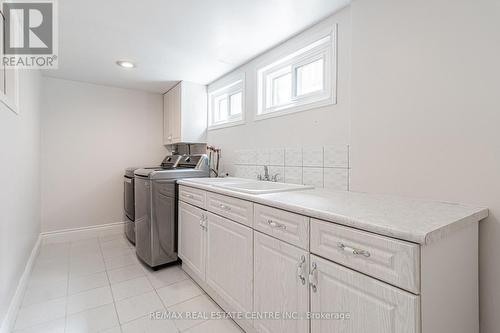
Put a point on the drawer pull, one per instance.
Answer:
(300, 269)
(312, 278)
(202, 222)
(224, 207)
(353, 250)
(187, 195)
(276, 224)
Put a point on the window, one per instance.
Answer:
(235, 104)
(226, 104)
(299, 81)
(310, 77)
(278, 85)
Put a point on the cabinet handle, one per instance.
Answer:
(276, 224)
(352, 250)
(202, 221)
(313, 281)
(300, 269)
(224, 207)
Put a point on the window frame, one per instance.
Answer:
(9, 92)
(307, 52)
(229, 87)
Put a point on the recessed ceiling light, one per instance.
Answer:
(125, 64)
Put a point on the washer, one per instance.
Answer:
(156, 207)
(129, 192)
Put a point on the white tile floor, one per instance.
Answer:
(98, 285)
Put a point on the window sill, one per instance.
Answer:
(296, 109)
(225, 125)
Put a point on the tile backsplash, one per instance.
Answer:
(320, 166)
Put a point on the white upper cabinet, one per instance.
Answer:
(185, 114)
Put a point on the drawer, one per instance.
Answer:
(289, 227)
(234, 209)
(192, 196)
(390, 260)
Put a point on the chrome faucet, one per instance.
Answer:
(266, 172)
(267, 176)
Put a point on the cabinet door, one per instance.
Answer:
(358, 303)
(168, 108)
(176, 113)
(280, 285)
(192, 238)
(230, 262)
(166, 121)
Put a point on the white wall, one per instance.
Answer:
(20, 190)
(90, 134)
(318, 127)
(426, 111)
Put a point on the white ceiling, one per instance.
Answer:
(172, 40)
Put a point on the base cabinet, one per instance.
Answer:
(280, 285)
(230, 262)
(279, 265)
(371, 306)
(192, 238)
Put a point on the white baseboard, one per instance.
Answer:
(15, 303)
(68, 235)
(58, 236)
